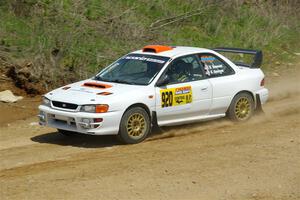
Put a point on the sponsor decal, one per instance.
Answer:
(207, 59)
(176, 96)
(145, 59)
(212, 66)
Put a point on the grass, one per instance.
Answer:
(79, 37)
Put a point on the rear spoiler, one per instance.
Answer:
(257, 59)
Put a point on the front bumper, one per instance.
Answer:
(80, 122)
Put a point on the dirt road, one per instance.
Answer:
(257, 160)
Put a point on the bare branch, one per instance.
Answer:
(174, 19)
(120, 15)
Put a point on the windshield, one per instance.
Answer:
(136, 69)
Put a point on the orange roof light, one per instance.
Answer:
(156, 48)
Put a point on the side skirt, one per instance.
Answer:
(190, 120)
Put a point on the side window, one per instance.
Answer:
(214, 67)
(184, 69)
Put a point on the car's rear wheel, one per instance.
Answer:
(67, 133)
(135, 126)
(241, 107)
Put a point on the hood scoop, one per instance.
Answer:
(96, 85)
(104, 93)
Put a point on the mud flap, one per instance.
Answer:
(155, 127)
(258, 110)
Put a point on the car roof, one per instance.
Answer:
(171, 51)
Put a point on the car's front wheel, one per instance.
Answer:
(241, 107)
(135, 126)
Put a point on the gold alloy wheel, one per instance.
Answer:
(242, 108)
(136, 125)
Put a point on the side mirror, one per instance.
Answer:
(163, 81)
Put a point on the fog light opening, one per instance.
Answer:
(85, 123)
(97, 120)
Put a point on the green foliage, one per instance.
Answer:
(89, 34)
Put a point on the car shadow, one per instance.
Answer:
(78, 140)
(100, 141)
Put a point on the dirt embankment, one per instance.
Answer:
(257, 160)
(31, 78)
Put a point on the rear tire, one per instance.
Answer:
(241, 108)
(67, 133)
(135, 126)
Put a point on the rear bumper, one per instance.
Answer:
(263, 95)
(80, 122)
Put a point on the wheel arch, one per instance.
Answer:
(142, 105)
(243, 91)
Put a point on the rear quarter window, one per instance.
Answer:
(214, 67)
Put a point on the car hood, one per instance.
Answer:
(91, 92)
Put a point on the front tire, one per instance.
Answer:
(135, 126)
(241, 108)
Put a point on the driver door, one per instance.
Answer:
(186, 95)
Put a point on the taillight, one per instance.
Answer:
(262, 82)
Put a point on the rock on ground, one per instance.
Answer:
(8, 97)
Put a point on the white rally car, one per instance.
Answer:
(158, 86)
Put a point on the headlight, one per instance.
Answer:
(46, 101)
(101, 108)
(88, 108)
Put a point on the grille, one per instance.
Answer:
(64, 105)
